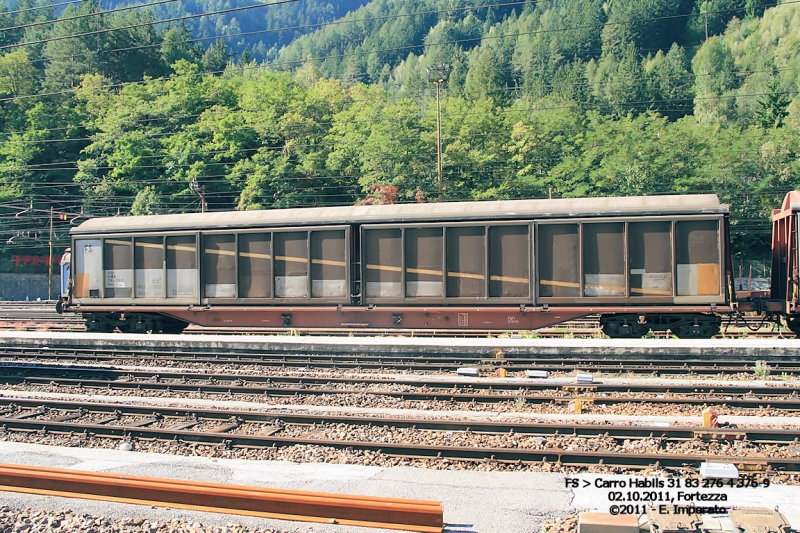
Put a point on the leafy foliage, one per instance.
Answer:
(561, 98)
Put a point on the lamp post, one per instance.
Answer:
(198, 190)
(437, 75)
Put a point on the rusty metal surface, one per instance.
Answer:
(791, 204)
(421, 318)
(427, 317)
(366, 511)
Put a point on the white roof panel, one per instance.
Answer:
(429, 212)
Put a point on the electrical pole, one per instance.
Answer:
(437, 75)
(439, 139)
(50, 262)
(198, 190)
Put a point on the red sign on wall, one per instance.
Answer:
(32, 260)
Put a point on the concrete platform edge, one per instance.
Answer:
(707, 350)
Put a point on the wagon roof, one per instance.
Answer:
(432, 212)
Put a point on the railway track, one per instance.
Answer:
(414, 439)
(781, 399)
(676, 366)
(25, 371)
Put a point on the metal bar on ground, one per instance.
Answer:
(365, 511)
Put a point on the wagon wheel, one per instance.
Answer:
(615, 330)
(100, 326)
(697, 331)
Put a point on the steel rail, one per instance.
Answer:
(351, 510)
(9, 371)
(301, 357)
(791, 404)
(463, 453)
(412, 363)
(38, 407)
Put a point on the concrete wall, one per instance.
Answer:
(31, 286)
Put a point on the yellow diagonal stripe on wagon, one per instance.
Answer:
(291, 259)
(123, 243)
(219, 252)
(385, 267)
(255, 255)
(651, 291)
(559, 283)
(608, 287)
(150, 245)
(328, 262)
(179, 248)
(424, 271)
(465, 275)
(510, 280)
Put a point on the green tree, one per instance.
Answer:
(716, 79)
(671, 83)
(216, 57)
(619, 81)
(17, 74)
(174, 45)
(147, 202)
(540, 140)
(84, 46)
(375, 143)
(490, 73)
(474, 154)
(647, 24)
(773, 106)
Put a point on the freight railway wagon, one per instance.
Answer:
(642, 263)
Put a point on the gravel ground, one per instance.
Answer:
(66, 521)
(462, 411)
(359, 399)
(565, 525)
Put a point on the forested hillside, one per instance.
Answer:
(105, 112)
(259, 31)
